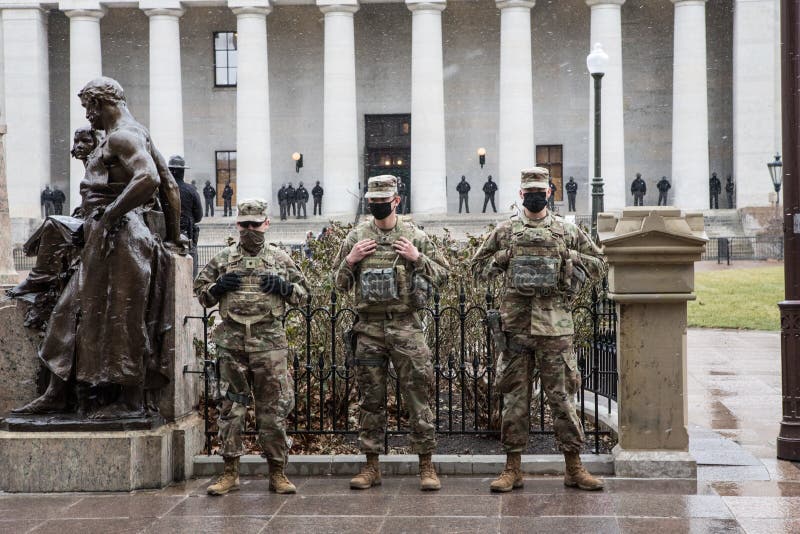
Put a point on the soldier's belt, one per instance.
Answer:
(370, 362)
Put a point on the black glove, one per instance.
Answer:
(226, 282)
(272, 283)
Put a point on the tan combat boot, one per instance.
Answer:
(278, 481)
(576, 476)
(428, 481)
(511, 477)
(370, 474)
(228, 480)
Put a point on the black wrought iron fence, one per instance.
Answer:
(464, 400)
(727, 249)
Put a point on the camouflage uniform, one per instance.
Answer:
(538, 322)
(389, 330)
(252, 349)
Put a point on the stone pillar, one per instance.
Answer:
(340, 118)
(517, 150)
(690, 171)
(756, 99)
(254, 172)
(651, 254)
(607, 30)
(428, 164)
(27, 99)
(85, 64)
(166, 92)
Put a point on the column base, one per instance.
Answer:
(654, 464)
(789, 442)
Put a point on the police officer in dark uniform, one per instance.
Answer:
(291, 200)
(638, 190)
(552, 200)
(210, 194)
(714, 188)
(489, 189)
(58, 201)
(302, 200)
(317, 193)
(463, 188)
(729, 188)
(191, 206)
(47, 201)
(227, 196)
(663, 187)
(572, 191)
(282, 201)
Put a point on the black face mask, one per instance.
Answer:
(380, 210)
(535, 202)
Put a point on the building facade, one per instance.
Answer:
(414, 88)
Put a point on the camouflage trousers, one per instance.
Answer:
(266, 375)
(401, 342)
(553, 359)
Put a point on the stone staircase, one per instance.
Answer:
(215, 230)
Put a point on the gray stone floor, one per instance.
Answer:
(734, 412)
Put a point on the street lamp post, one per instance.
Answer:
(789, 436)
(776, 174)
(597, 62)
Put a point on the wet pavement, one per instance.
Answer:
(734, 411)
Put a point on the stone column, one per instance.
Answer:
(27, 84)
(651, 254)
(428, 163)
(756, 99)
(166, 92)
(85, 64)
(254, 172)
(8, 273)
(606, 29)
(517, 150)
(340, 119)
(690, 171)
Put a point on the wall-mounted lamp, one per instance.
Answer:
(482, 156)
(298, 161)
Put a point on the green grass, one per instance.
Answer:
(738, 298)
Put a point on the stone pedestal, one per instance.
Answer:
(99, 461)
(651, 254)
(132, 457)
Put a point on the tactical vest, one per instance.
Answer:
(384, 277)
(249, 305)
(538, 254)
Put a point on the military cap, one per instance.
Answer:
(177, 162)
(384, 186)
(535, 177)
(252, 210)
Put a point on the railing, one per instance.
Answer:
(464, 363)
(729, 249)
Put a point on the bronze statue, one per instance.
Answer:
(107, 326)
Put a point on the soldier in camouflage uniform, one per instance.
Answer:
(543, 260)
(393, 266)
(252, 282)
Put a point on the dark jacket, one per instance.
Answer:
(463, 187)
(209, 192)
(317, 192)
(227, 193)
(489, 187)
(191, 208)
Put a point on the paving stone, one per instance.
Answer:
(764, 507)
(766, 488)
(461, 525)
(217, 525)
(260, 505)
(430, 504)
(559, 525)
(133, 506)
(671, 525)
(325, 525)
(343, 505)
(679, 506)
(770, 526)
(82, 526)
(20, 507)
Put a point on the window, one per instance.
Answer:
(226, 170)
(551, 158)
(225, 59)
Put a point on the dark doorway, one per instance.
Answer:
(388, 149)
